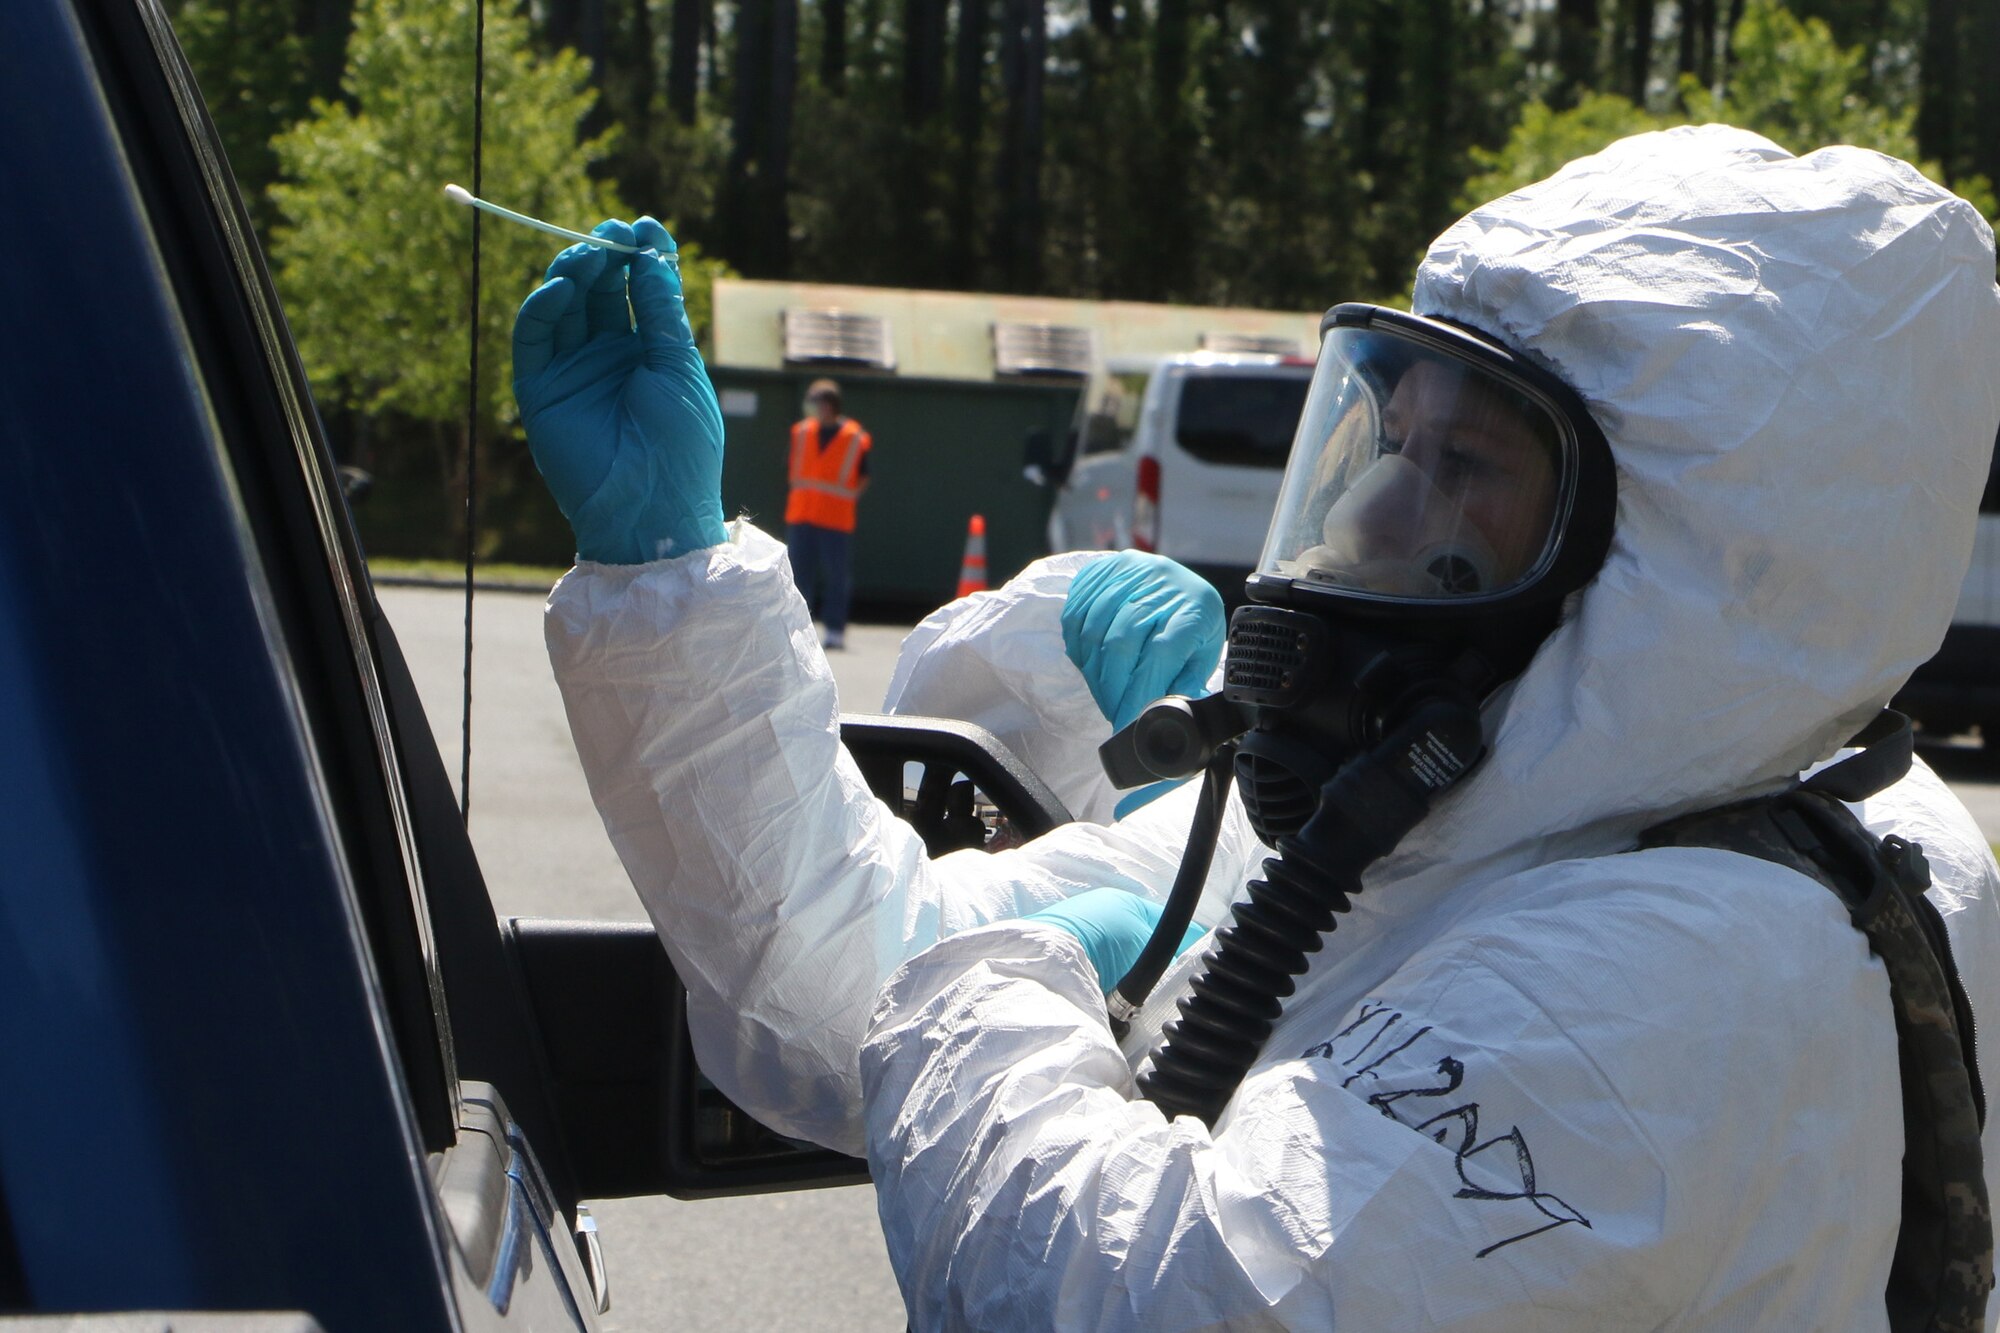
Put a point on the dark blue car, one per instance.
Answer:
(264, 1045)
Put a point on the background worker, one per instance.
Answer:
(828, 473)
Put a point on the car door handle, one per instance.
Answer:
(592, 1252)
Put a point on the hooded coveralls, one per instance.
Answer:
(1534, 1080)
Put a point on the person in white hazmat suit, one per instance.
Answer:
(1535, 1079)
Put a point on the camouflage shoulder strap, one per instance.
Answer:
(1943, 1269)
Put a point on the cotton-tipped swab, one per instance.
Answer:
(458, 194)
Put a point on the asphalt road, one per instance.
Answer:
(1975, 775)
(781, 1262)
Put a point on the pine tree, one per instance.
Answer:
(1790, 79)
(253, 70)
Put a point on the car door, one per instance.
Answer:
(231, 1078)
(442, 1086)
(1093, 510)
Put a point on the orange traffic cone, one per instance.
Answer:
(972, 573)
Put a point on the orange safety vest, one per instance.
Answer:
(826, 481)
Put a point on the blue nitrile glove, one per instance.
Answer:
(1140, 627)
(1140, 797)
(1114, 926)
(623, 422)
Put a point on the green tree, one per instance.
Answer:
(254, 73)
(1271, 152)
(372, 260)
(1544, 139)
(1795, 84)
(753, 207)
(1790, 80)
(374, 263)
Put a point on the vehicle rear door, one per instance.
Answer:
(1094, 509)
(1225, 434)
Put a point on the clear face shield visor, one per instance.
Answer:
(1422, 472)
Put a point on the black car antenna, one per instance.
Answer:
(472, 407)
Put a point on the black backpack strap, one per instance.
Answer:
(1942, 1273)
(1888, 746)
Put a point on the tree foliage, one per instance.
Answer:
(1795, 84)
(1544, 139)
(1271, 152)
(253, 67)
(374, 264)
(372, 261)
(1282, 153)
(1790, 80)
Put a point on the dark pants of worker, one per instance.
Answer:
(820, 568)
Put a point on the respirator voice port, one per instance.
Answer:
(1272, 656)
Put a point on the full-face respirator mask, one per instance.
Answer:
(1442, 498)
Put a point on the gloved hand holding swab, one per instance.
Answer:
(458, 194)
(621, 416)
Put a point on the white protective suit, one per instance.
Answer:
(1530, 1083)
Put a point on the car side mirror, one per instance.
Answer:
(636, 1112)
(355, 483)
(956, 783)
(1042, 462)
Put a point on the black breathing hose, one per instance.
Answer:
(1368, 807)
(1144, 974)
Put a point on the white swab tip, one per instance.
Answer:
(458, 194)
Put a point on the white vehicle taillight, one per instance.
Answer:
(1146, 507)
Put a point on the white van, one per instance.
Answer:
(1959, 688)
(1182, 455)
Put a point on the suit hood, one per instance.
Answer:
(1794, 360)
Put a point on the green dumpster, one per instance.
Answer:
(944, 451)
